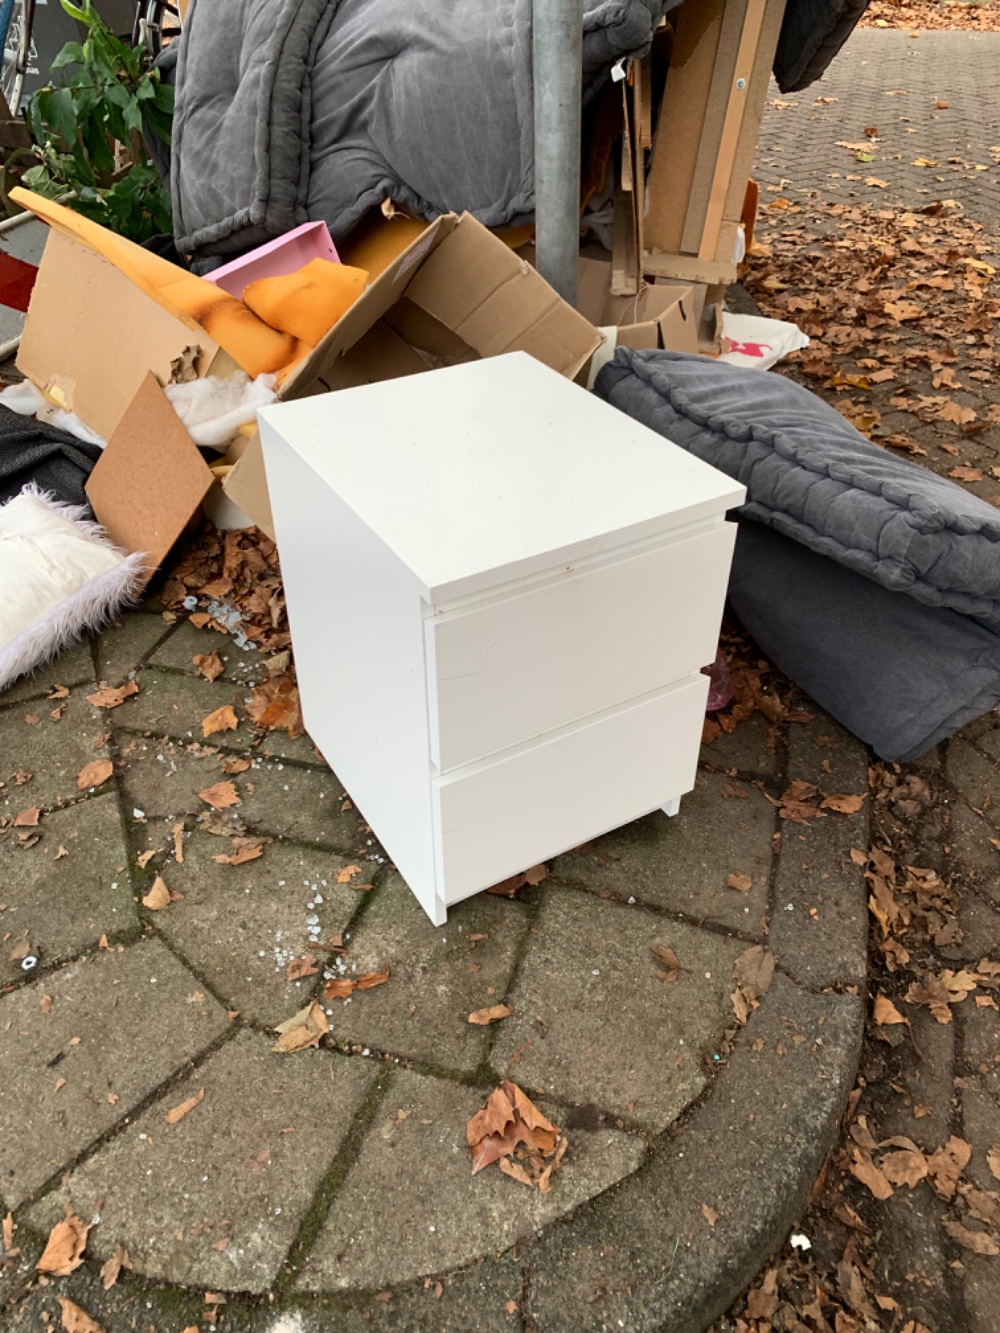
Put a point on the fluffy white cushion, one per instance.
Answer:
(59, 576)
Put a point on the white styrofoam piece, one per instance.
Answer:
(497, 464)
(500, 592)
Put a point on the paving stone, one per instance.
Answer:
(751, 1153)
(912, 1254)
(225, 1170)
(121, 647)
(973, 851)
(133, 1033)
(162, 778)
(975, 778)
(376, 1234)
(63, 906)
(981, 926)
(611, 1032)
(981, 1123)
(244, 666)
(73, 667)
(980, 1036)
(748, 748)
(239, 927)
(981, 1290)
(819, 930)
(173, 704)
(985, 733)
(127, 1308)
(926, 1082)
(53, 752)
(682, 863)
(422, 1012)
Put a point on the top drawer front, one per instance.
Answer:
(516, 669)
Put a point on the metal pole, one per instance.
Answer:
(557, 57)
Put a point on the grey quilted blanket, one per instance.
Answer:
(291, 110)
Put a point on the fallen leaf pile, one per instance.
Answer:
(901, 307)
(917, 14)
(802, 801)
(510, 1129)
(758, 689)
(236, 575)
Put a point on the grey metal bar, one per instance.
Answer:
(557, 57)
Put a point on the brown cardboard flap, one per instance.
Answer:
(246, 486)
(92, 337)
(150, 479)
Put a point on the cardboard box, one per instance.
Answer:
(659, 316)
(456, 294)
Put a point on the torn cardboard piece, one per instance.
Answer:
(150, 479)
(658, 317)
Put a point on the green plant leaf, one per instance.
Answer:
(61, 115)
(82, 15)
(71, 54)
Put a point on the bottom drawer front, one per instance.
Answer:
(536, 803)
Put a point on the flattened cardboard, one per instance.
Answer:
(92, 336)
(246, 486)
(659, 316)
(150, 479)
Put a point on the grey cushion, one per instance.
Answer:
(810, 475)
(900, 675)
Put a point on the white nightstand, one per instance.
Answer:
(501, 591)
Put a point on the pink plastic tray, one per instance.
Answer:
(285, 255)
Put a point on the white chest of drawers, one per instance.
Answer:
(501, 592)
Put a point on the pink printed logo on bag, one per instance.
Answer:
(751, 349)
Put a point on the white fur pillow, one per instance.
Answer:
(59, 577)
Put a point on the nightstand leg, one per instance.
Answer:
(672, 807)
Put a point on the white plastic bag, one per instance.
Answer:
(759, 342)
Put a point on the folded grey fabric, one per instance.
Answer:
(900, 675)
(33, 451)
(296, 110)
(812, 32)
(810, 475)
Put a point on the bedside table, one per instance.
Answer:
(501, 592)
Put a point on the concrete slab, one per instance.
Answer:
(976, 778)
(594, 1022)
(750, 748)
(53, 752)
(819, 930)
(63, 904)
(422, 1011)
(241, 1167)
(683, 863)
(120, 1023)
(239, 927)
(645, 1258)
(121, 647)
(162, 778)
(174, 703)
(73, 667)
(375, 1235)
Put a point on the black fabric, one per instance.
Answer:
(900, 675)
(812, 32)
(32, 450)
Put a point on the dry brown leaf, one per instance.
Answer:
(993, 1160)
(94, 774)
(535, 874)
(370, 979)
(966, 473)
(75, 1320)
(508, 1119)
(209, 664)
(483, 1017)
(27, 818)
(145, 858)
(345, 875)
(9, 1227)
(178, 1112)
(984, 1205)
(516, 1172)
(221, 796)
(178, 835)
(113, 1267)
(976, 1241)
(744, 883)
(275, 706)
(223, 719)
(160, 897)
(753, 971)
(244, 849)
(945, 1166)
(864, 1169)
(106, 697)
(905, 1167)
(710, 1215)
(843, 805)
(885, 1012)
(903, 310)
(301, 967)
(63, 1252)
(302, 1030)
